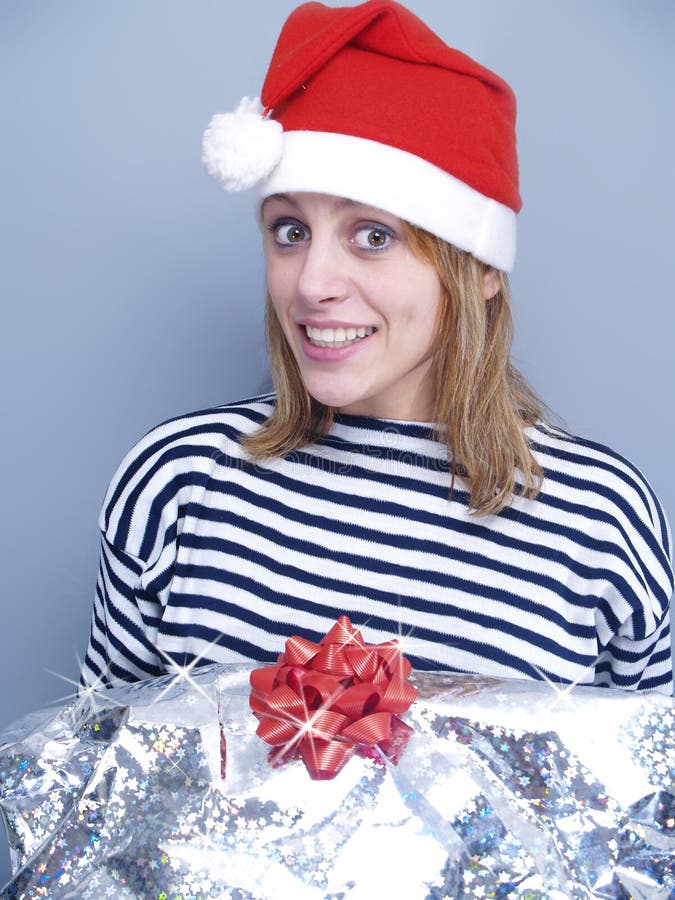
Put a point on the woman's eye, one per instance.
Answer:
(373, 237)
(287, 233)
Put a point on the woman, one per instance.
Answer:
(403, 472)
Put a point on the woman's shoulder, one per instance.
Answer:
(223, 424)
(180, 452)
(588, 474)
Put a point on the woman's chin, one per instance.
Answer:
(335, 398)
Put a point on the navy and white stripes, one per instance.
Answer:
(205, 555)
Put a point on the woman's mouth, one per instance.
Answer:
(337, 337)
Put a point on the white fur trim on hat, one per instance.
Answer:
(242, 147)
(399, 183)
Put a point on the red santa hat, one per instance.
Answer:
(368, 103)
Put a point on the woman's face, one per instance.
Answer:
(358, 308)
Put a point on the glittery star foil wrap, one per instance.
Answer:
(506, 789)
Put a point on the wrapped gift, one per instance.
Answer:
(163, 789)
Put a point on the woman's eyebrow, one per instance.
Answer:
(339, 201)
(285, 198)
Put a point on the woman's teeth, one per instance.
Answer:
(336, 337)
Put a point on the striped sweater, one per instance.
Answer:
(208, 557)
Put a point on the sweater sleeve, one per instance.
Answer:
(124, 622)
(623, 541)
(141, 522)
(642, 663)
(634, 627)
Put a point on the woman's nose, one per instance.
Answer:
(323, 274)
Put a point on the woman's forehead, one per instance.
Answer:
(329, 202)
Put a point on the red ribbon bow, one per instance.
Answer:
(325, 701)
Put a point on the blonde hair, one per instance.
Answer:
(482, 403)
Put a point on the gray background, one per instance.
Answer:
(131, 285)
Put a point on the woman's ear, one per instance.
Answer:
(491, 283)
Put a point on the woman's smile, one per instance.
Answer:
(339, 337)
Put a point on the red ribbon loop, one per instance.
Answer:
(358, 700)
(323, 702)
(299, 651)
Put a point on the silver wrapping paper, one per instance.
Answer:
(506, 789)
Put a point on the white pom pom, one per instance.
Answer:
(241, 148)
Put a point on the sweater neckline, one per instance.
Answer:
(399, 426)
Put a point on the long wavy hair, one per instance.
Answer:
(482, 403)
